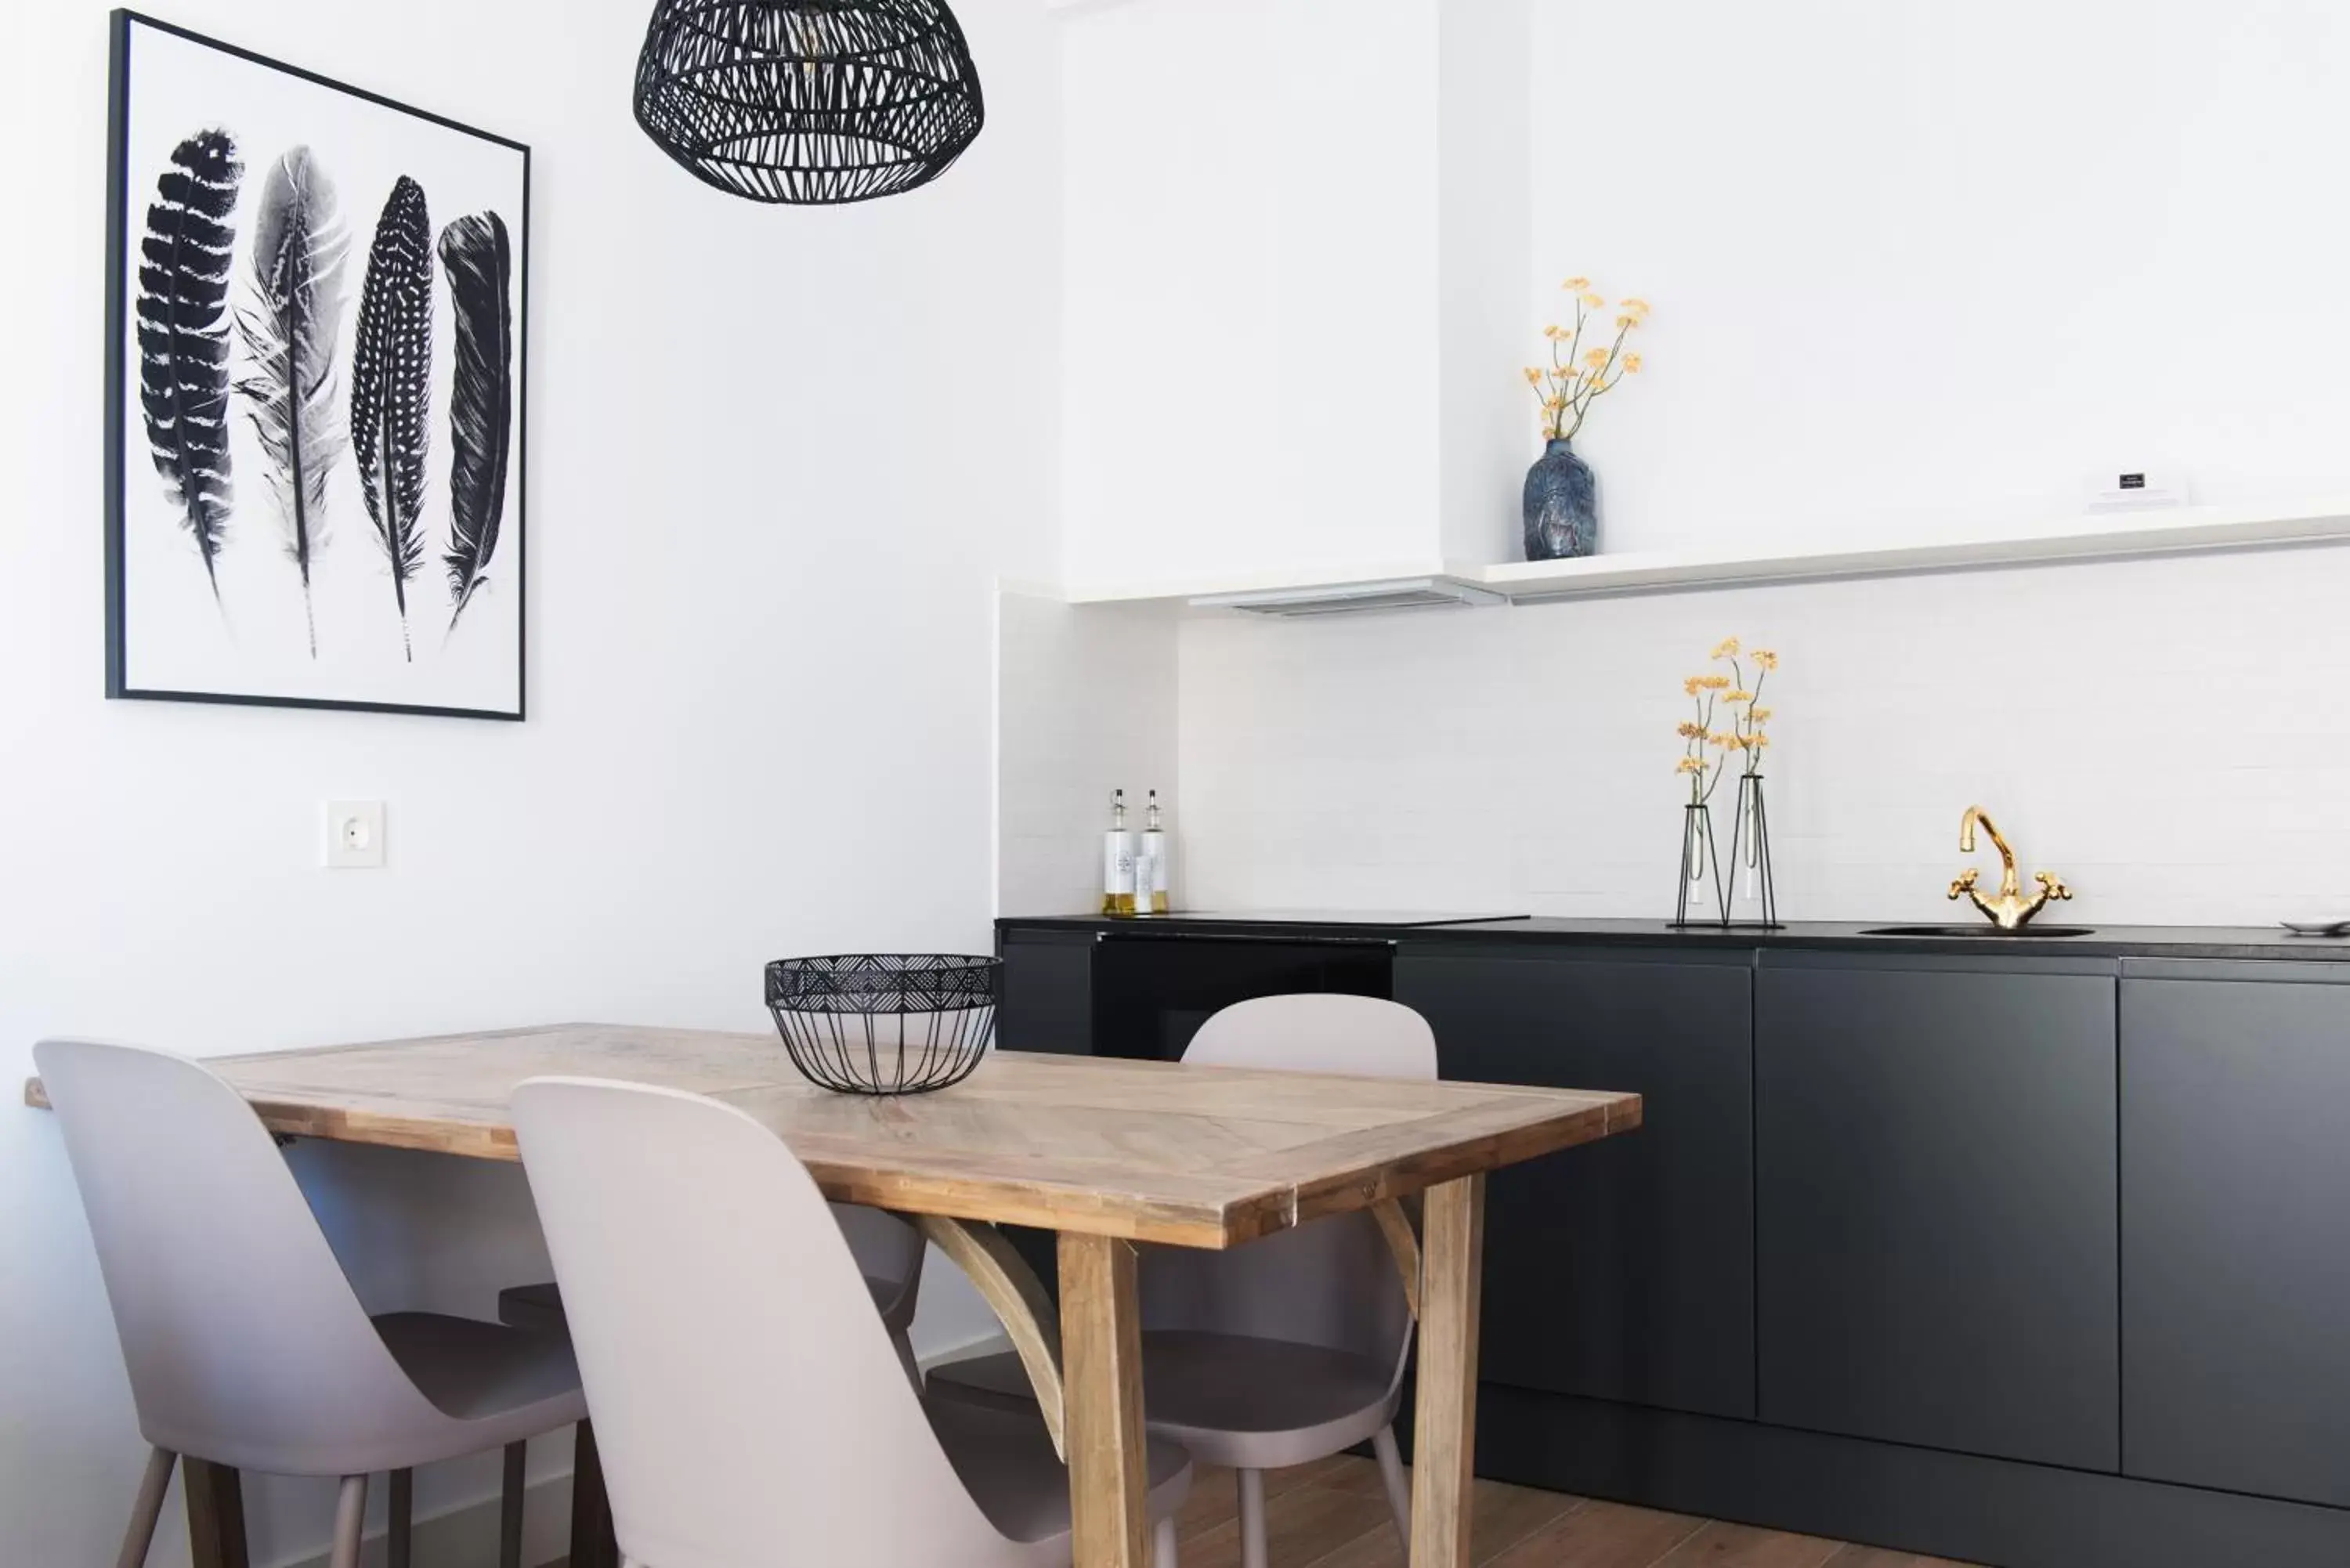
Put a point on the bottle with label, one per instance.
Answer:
(1152, 879)
(1118, 861)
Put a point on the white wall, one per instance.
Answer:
(1919, 262)
(739, 419)
(1486, 121)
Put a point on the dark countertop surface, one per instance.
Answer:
(2270, 942)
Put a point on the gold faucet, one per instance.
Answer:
(2010, 909)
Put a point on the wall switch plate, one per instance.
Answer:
(354, 830)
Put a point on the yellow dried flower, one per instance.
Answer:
(1724, 741)
(1725, 647)
(1690, 730)
(1533, 376)
(1766, 659)
(1714, 682)
(1593, 301)
(1757, 740)
(1688, 766)
(1738, 697)
(1596, 358)
(1554, 332)
(1632, 363)
(1761, 715)
(1693, 685)
(1628, 322)
(1575, 284)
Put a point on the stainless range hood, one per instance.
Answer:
(1351, 598)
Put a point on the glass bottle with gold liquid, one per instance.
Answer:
(1152, 879)
(1118, 861)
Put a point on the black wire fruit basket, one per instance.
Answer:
(885, 1024)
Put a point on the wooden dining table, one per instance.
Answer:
(1104, 1153)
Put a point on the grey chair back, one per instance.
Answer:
(749, 1406)
(1333, 1283)
(243, 1340)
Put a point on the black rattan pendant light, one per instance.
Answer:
(808, 101)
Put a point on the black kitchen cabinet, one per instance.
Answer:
(2235, 1102)
(1622, 1270)
(1936, 1170)
(1047, 1002)
(1152, 991)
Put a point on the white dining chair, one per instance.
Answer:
(1287, 1350)
(245, 1343)
(749, 1408)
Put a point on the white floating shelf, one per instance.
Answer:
(2088, 538)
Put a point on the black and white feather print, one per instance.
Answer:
(185, 259)
(291, 322)
(476, 259)
(391, 385)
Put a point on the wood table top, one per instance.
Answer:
(1202, 1156)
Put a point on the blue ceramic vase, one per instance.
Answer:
(1562, 505)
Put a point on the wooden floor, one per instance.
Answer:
(1334, 1515)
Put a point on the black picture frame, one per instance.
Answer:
(123, 22)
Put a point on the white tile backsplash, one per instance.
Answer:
(2169, 735)
(1085, 704)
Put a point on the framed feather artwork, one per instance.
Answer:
(316, 309)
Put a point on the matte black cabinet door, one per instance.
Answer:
(1935, 1165)
(1622, 1270)
(2236, 1235)
(1047, 1001)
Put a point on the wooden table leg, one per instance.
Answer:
(215, 1514)
(1101, 1357)
(1443, 1460)
(593, 1545)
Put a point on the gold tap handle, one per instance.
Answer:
(1963, 884)
(2055, 887)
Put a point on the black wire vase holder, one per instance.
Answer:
(1749, 898)
(885, 1024)
(1700, 869)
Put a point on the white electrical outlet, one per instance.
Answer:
(354, 835)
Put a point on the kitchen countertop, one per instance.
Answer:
(2103, 941)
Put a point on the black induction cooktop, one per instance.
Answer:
(1384, 918)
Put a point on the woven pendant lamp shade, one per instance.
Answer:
(809, 102)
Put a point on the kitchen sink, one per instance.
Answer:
(1993, 932)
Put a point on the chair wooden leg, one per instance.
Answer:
(1252, 1539)
(592, 1542)
(148, 1508)
(1162, 1553)
(215, 1514)
(400, 1528)
(350, 1518)
(1398, 1482)
(510, 1507)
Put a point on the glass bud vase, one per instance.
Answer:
(1561, 506)
(1750, 900)
(1699, 899)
